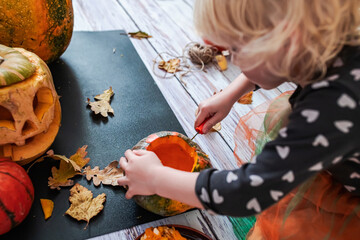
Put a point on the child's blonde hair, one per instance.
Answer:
(312, 32)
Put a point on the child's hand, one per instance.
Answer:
(215, 109)
(140, 168)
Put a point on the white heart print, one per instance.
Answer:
(289, 176)
(311, 115)
(320, 84)
(355, 160)
(343, 125)
(336, 160)
(320, 140)
(204, 196)
(283, 132)
(316, 167)
(217, 198)
(350, 188)
(333, 77)
(346, 101)
(283, 151)
(355, 175)
(356, 74)
(231, 177)
(275, 195)
(338, 62)
(253, 204)
(256, 180)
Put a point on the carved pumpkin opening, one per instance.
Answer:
(174, 152)
(43, 100)
(28, 128)
(6, 119)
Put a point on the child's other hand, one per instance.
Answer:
(215, 109)
(140, 168)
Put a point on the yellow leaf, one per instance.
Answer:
(246, 99)
(68, 168)
(83, 205)
(139, 35)
(47, 206)
(108, 176)
(216, 127)
(170, 66)
(222, 62)
(102, 106)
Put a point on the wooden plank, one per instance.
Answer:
(192, 219)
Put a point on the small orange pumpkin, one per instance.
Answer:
(177, 151)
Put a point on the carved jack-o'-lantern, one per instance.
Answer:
(30, 111)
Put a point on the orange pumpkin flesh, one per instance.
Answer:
(176, 151)
(177, 154)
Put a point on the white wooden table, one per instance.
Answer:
(170, 22)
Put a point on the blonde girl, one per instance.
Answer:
(305, 183)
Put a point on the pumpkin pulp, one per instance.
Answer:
(174, 152)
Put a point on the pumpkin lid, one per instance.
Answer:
(14, 67)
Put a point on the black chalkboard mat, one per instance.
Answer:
(87, 68)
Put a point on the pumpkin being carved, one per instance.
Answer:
(43, 27)
(29, 105)
(16, 194)
(176, 151)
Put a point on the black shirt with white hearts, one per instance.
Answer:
(323, 134)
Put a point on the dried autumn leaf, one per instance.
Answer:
(83, 205)
(222, 62)
(139, 35)
(68, 168)
(102, 106)
(170, 66)
(246, 99)
(106, 95)
(216, 127)
(47, 206)
(108, 176)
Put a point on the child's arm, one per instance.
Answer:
(217, 107)
(145, 175)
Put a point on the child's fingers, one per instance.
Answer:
(123, 181)
(210, 123)
(129, 194)
(123, 163)
(199, 118)
(139, 152)
(129, 154)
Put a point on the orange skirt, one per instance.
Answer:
(320, 208)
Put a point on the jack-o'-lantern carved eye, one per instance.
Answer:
(6, 119)
(43, 100)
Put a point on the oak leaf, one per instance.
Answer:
(139, 35)
(69, 167)
(170, 66)
(102, 106)
(246, 99)
(107, 176)
(83, 205)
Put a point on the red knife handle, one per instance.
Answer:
(199, 128)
